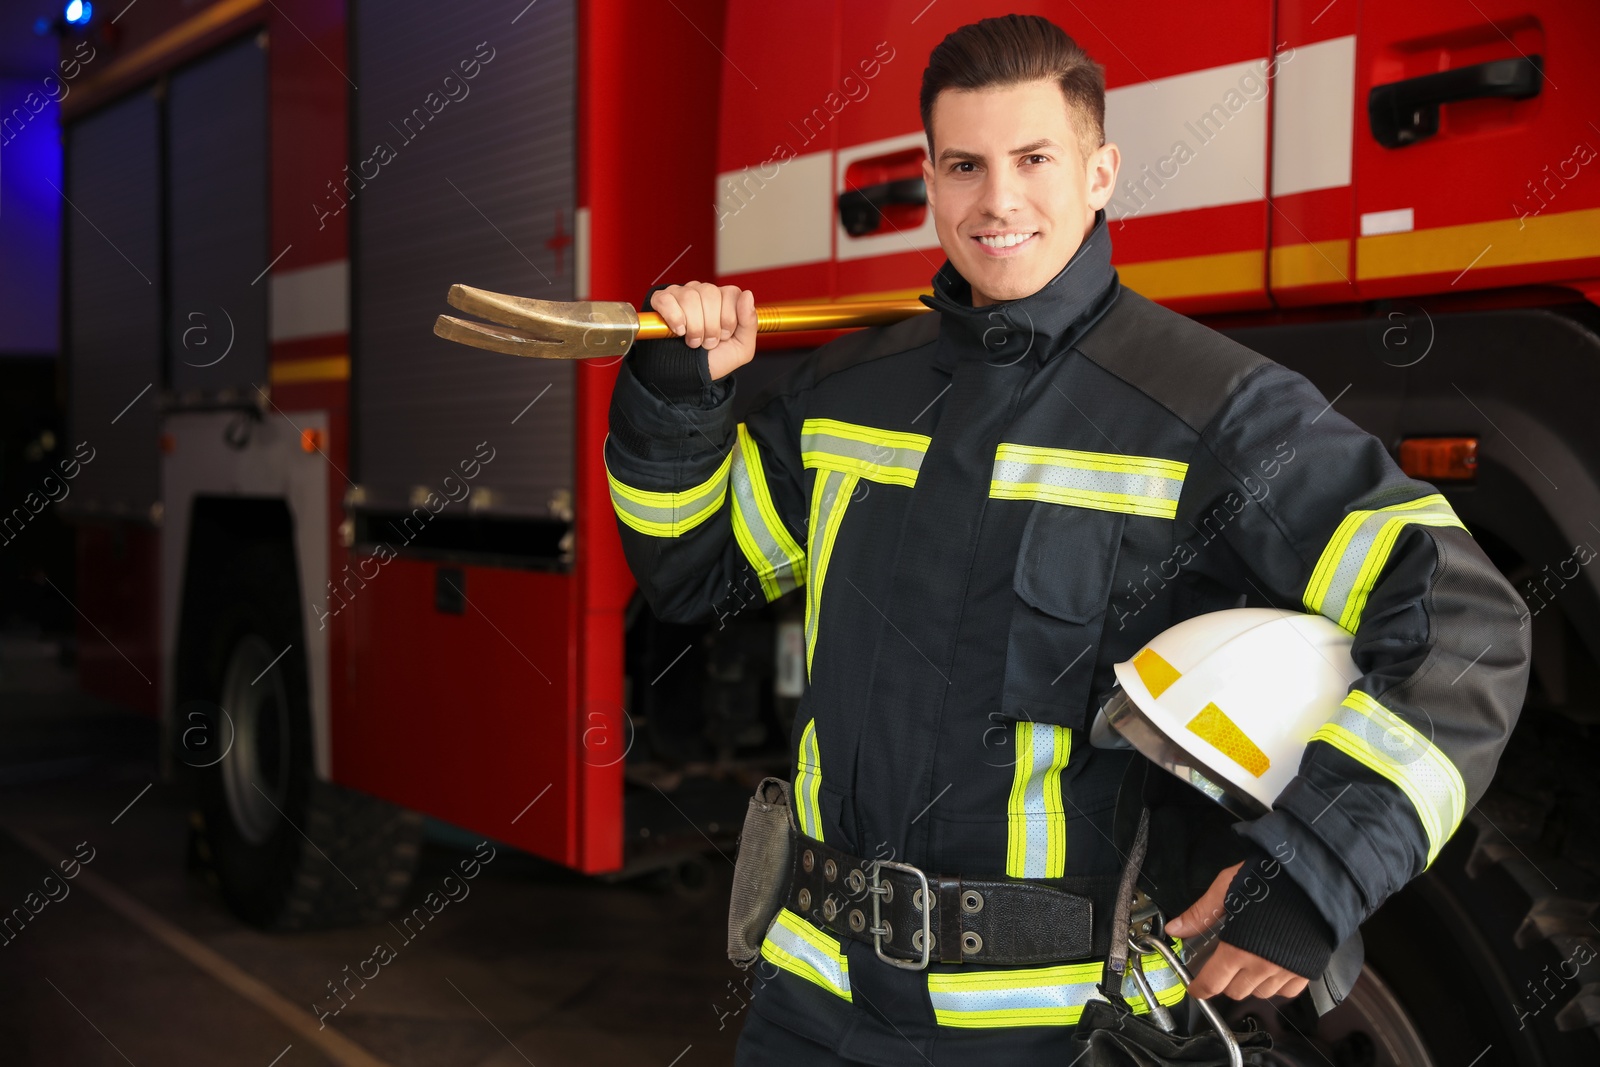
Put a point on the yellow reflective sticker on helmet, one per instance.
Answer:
(1213, 726)
(1156, 673)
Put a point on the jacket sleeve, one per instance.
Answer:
(711, 511)
(1315, 516)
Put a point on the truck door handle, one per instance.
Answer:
(861, 210)
(1405, 112)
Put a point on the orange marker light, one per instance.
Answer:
(1440, 459)
(313, 440)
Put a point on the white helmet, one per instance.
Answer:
(1228, 701)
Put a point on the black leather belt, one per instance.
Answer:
(911, 917)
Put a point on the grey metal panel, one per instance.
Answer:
(460, 179)
(217, 221)
(113, 300)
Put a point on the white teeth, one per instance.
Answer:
(1005, 240)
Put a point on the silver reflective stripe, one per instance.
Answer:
(1014, 999)
(801, 949)
(668, 520)
(775, 556)
(1380, 740)
(1356, 554)
(890, 456)
(808, 783)
(669, 514)
(1134, 485)
(1049, 996)
(829, 497)
(1162, 979)
(1036, 845)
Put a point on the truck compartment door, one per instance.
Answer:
(1476, 148)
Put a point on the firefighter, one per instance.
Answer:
(986, 509)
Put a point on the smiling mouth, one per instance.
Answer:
(999, 242)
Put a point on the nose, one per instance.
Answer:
(1002, 192)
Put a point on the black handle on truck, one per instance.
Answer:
(860, 210)
(1405, 112)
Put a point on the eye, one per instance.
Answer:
(956, 168)
(1040, 158)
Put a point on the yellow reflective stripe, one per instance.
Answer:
(1036, 844)
(1354, 557)
(808, 783)
(867, 435)
(801, 949)
(1156, 673)
(1213, 726)
(1038, 996)
(669, 514)
(1380, 740)
(829, 498)
(778, 560)
(889, 456)
(1134, 485)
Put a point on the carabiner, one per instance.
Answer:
(1145, 943)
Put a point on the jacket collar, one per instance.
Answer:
(1033, 326)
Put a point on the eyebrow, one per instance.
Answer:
(962, 154)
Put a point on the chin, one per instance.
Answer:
(1012, 290)
(1007, 285)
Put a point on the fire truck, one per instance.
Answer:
(361, 575)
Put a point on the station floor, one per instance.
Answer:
(137, 960)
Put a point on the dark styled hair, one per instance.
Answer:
(1010, 50)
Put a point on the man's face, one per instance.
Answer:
(1011, 193)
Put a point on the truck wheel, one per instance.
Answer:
(1449, 962)
(287, 850)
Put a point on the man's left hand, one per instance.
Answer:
(1231, 971)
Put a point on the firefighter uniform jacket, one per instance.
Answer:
(985, 508)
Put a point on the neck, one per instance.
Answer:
(972, 326)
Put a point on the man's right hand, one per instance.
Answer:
(720, 318)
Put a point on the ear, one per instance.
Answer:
(927, 179)
(1101, 174)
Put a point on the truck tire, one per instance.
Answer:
(286, 850)
(1449, 962)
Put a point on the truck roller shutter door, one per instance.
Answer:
(113, 306)
(217, 223)
(462, 170)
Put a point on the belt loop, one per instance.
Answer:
(949, 919)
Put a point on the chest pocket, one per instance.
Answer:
(1065, 564)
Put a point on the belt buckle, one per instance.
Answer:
(878, 889)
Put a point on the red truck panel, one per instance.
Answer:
(638, 65)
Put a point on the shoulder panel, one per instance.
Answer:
(875, 343)
(1187, 368)
(852, 350)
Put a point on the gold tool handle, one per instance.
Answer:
(787, 318)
